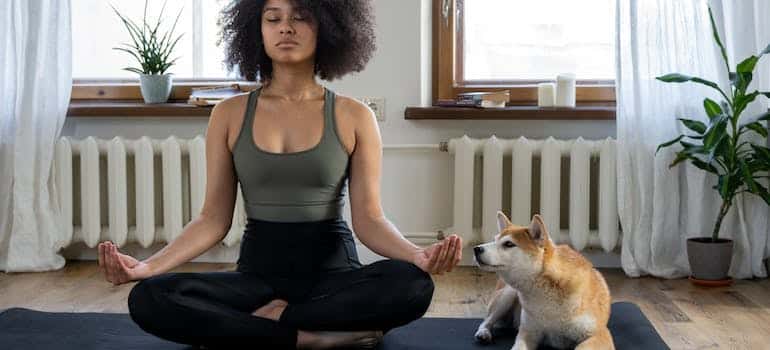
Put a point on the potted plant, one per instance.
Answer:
(721, 148)
(152, 50)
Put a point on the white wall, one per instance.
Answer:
(416, 185)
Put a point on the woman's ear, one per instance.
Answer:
(502, 221)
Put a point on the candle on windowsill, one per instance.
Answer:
(545, 94)
(565, 90)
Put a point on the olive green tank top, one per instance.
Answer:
(308, 185)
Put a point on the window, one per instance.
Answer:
(96, 29)
(514, 44)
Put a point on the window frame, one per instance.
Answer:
(128, 89)
(447, 66)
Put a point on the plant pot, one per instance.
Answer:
(156, 88)
(709, 260)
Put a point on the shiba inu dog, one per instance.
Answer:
(551, 293)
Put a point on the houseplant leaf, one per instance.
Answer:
(681, 78)
(741, 101)
(704, 166)
(712, 108)
(714, 134)
(758, 128)
(694, 125)
(747, 65)
(748, 177)
(668, 143)
(761, 152)
(715, 33)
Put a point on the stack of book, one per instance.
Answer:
(208, 96)
(482, 99)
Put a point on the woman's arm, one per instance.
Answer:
(203, 231)
(369, 222)
(215, 218)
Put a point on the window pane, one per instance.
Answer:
(213, 56)
(96, 29)
(536, 40)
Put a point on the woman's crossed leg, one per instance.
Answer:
(217, 308)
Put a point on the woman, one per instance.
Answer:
(292, 144)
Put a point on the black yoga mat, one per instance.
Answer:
(27, 329)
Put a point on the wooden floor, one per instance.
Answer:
(688, 317)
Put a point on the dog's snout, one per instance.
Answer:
(478, 250)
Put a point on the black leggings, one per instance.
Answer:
(312, 265)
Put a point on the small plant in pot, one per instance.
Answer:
(152, 50)
(721, 147)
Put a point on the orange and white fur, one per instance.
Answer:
(551, 293)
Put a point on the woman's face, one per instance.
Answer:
(288, 33)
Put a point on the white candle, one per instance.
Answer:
(545, 94)
(565, 90)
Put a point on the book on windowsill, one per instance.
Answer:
(482, 99)
(486, 99)
(209, 96)
(470, 104)
(448, 102)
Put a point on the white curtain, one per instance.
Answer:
(660, 207)
(35, 86)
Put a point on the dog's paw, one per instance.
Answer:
(483, 335)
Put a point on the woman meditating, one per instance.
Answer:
(294, 145)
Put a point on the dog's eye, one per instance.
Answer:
(509, 244)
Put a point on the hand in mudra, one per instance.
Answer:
(120, 268)
(440, 257)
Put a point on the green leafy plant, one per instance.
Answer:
(720, 148)
(150, 48)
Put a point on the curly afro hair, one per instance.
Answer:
(345, 40)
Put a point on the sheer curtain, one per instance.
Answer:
(660, 207)
(35, 86)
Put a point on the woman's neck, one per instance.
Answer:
(293, 83)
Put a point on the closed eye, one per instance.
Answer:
(509, 244)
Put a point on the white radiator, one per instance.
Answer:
(142, 176)
(178, 183)
(550, 151)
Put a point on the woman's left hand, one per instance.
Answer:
(440, 257)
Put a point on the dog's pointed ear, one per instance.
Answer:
(537, 230)
(502, 221)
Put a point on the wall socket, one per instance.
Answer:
(377, 104)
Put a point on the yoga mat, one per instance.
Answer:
(26, 329)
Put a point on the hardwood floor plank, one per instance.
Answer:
(726, 320)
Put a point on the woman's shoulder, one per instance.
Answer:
(354, 119)
(233, 102)
(228, 115)
(352, 108)
(230, 108)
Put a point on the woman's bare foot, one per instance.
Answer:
(329, 340)
(271, 310)
(321, 339)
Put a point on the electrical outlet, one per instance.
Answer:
(377, 104)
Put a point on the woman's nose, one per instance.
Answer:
(286, 28)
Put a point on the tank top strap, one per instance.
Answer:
(329, 114)
(248, 118)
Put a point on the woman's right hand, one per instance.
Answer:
(120, 268)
